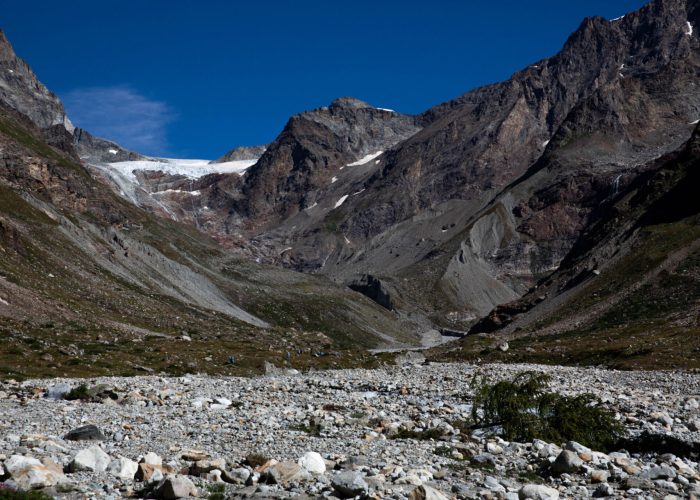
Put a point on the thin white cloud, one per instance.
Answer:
(122, 115)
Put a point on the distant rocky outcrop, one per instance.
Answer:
(371, 287)
(93, 149)
(21, 90)
(312, 148)
(243, 153)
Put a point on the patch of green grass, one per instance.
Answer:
(7, 494)
(216, 491)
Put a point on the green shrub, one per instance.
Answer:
(81, 392)
(216, 491)
(8, 494)
(525, 411)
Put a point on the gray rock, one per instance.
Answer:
(576, 447)
(123, 468)
(29, 473)
(662, 471)
(537, 492)
(151, 458)
(313, 462)
(236, 476)
(604, 490)
(85, 433)
(173, 487)
(567, 462)
(57, 391)
(349, 484)
(425, 492)
(90, 459)
(637, 483)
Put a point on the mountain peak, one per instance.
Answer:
(6, 50)
(349, 102)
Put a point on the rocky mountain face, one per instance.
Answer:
(627, 290)
(498, 186)
(477, 208)
(313, 147)
(243, 153)
(21, 90)
(88, 280)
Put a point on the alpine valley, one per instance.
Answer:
(551, 217)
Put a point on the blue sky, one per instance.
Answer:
(195, 79)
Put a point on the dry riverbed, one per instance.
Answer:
(332, 433)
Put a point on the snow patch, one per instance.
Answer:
(617, 19)
(112, 151)
(123, 173)
(11, 70)
(312, 206)
(334, 179)
(4, 302)
(346, 239)
(358, 192)
(192, 169)
(690, 29)
(365, 159)
(341, 200)
(193, 193)
(377, 162)
(387, 109)
(694, 123)
(544, 144)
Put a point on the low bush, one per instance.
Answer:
(81, 392)
(524, 410)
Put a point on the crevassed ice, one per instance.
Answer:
(192, 169)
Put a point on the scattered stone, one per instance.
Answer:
(425, 492)
(604, 490)
(123, 468)
(85, 433)
(173, 487)
(537, 492)
(236, 476)
(145, 472)
(567, 462)
(208, 465)
(57, 391)
(194, 455)
(599, 476)
(349, 484)
(29, 473)
(91, 459)
(313, 462)
(151, 458)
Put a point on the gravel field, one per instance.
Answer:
(331, 434)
